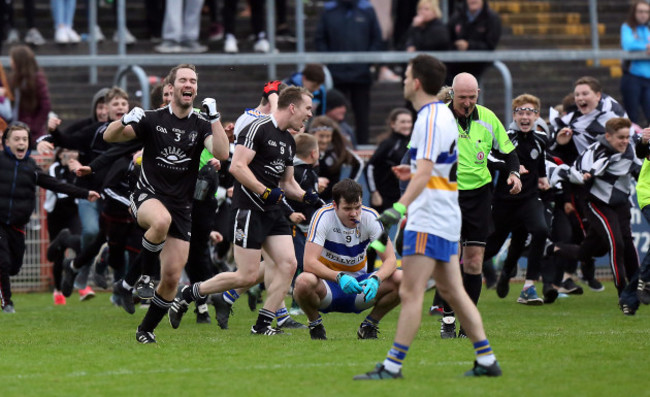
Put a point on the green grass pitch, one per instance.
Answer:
(578, 346)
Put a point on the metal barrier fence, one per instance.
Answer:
(36, 272)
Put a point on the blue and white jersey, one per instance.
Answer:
(245, 119)
(435, 210)
(344, 248)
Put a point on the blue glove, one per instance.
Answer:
(392, 215)
(348, 284)
(272, 196)
(370, 287)
(310, 197)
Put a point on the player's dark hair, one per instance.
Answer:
(293, 95)
(430, 71)
(347, 189)
(172, 73)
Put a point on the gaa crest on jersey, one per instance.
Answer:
(480, 156)
(142, 196)
(534, 154)
(193, 135)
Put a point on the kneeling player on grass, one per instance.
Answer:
(334, 277)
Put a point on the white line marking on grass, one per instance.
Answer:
(243, 367)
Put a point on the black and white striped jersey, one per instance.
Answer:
(587, 127)
(612, 173)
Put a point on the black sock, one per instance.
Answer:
(135, 270)
(150, 255)
(264, 319)
(191, 294)
(473, 284)
(437, 299)
(155, 313)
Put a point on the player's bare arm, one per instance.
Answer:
(116, 132)
(217, 144)
(389, 262)
(121, 130)
(290, 186)
(220, 147)
(241, 158)
(311, 263)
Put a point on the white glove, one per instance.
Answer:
(209, 106)
(134, 116)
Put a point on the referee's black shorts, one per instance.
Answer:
(476, 211)
(251, 228)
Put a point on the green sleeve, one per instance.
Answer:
(205, 157)
(501, 141)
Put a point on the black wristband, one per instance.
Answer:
(376, 278)
(338, 277)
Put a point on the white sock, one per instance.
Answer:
(391, 366)
(486, 360)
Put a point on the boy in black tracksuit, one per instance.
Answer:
(607, 168)
(19, 176)
(304, 172)
(511, 212)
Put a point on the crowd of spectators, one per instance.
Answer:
(351, 25)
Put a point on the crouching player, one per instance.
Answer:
(334, 277)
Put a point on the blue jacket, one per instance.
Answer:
(347, 26)
(636, 40)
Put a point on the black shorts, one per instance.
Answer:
(251, 228)
(476, 210)
(181, 226)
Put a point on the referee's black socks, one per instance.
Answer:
(473, 284)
